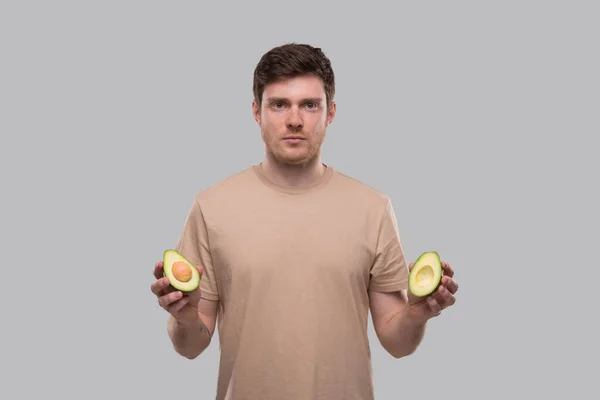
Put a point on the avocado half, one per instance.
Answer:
(182, 274)
(426, 274)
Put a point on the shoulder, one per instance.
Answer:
(231, 188)
(353, 188)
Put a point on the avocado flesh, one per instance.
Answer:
(426, 274)
(182, 274)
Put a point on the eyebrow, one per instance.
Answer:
(309, 99)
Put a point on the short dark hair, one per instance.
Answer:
(291, 60)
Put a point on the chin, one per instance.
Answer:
(291, 158)
(297, 159)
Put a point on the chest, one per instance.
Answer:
(288, 244)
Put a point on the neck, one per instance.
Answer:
(297, 175)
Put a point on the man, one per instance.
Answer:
(293, 255)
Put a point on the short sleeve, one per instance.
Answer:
(389, 272)
(194, 245)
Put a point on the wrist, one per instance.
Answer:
(187, 319)
(413, 316)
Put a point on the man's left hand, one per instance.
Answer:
(422, 309)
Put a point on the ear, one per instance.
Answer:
(331, 112)
(256, 111)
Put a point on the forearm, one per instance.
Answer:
(401, 335)
(189, 339)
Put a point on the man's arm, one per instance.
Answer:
(398, 332)
(399, 318)
(191, 337)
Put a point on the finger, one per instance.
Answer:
(448, 298)
(411, 265)
(166, 300)
(439, 297)
(200, 270)
(160, 286)
(169, 289)
(450, 284)
(448, 271)
(175, 307)
(158, 269)
(435, 307)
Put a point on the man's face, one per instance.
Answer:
(293, 119)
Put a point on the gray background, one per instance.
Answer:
(479, 119)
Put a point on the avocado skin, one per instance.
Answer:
(171, 255)
(437, 270)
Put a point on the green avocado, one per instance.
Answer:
(182, 274)
(426, 274)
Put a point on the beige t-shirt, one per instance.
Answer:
(291, 268)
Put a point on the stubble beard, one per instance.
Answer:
(277, 152)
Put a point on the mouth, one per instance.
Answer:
(293, 138)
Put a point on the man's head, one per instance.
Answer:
(293, 88)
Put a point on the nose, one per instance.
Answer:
(293, 119)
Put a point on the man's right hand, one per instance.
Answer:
(182, 306)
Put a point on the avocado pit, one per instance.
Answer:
(182, 271)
